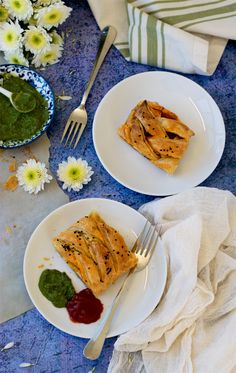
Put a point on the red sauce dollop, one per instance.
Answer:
(84, 307)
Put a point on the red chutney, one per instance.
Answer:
(84, 307)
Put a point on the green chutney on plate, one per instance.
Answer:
(16, 128)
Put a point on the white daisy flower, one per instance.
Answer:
(20, 9)
(32, 175)
(56, 39)
(74, 173)
(10, 36)
(4, 14)
(36, 39)
(49, 57)
(16, 57)
(52, 15)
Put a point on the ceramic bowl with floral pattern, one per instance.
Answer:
(42, 86)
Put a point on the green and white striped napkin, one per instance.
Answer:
(180, 35)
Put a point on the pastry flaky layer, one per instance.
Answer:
(156, 133)
(95, 251)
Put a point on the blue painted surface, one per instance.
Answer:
(35, 339)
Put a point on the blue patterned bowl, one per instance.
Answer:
(42, 86)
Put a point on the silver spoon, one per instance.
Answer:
(16, 99)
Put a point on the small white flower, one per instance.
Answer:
(10, 36)
(36, 39)
(20, 9)
(74, 173)
(48, 57)
(32, 175)
(16, 57)
(56, 39)
(52, 15)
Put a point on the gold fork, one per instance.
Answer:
(78, 118)
(143, 248)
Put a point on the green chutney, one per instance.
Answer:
(56, 286)
(13, 124)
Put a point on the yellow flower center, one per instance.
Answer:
(36, 40)
(10, 37)
(3, 14)
(52, 17)
(16, 60)
(32, 177)
(75, 174)
(17, 4)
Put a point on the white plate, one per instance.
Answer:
(190, 102)
(143, 293)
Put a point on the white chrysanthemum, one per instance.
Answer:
(32, 175)
(53, 15)
(36, 39)
(16, 57)
(10, 36)
(56, 39)
(20, 9)
(49, 57)
(74, 173)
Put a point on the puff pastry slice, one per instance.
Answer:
(95, 251)
(157, 133)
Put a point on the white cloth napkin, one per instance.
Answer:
(185, 35)
(20, 213)
(193, 329)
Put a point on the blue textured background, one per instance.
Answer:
(35, 339)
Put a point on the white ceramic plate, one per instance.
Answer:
(145, 288)
(190, 102)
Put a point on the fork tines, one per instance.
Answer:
(147, 240)
(71, 130)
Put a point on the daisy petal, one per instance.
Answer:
(32, 176)
(74, 173)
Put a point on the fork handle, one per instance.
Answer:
(94, 346)
(107, 39)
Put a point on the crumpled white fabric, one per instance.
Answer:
(193, 329)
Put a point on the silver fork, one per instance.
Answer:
(78, 118)
(143, 248)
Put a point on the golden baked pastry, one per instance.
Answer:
(95, 251)
(156, 133)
